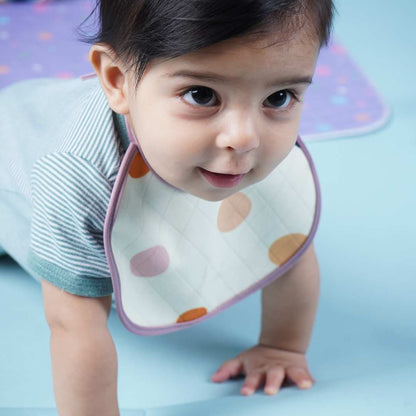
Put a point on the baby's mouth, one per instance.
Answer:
(221, 180)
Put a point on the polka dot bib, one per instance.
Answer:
(176, 260)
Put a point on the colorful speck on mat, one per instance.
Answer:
(39, 39)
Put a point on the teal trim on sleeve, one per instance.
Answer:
(76, 285)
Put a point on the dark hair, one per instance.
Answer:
(141, 30)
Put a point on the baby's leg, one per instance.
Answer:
(84, 360)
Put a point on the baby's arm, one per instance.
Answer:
(84, 360)
(288, 312)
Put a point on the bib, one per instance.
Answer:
(176, 260)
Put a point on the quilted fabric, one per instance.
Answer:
(177, 259)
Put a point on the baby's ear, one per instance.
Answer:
(112, 75)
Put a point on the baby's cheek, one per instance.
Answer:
(191, 151)
(271, 158)
(277, 149)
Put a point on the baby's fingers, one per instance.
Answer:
(300, 377)
(227, 370)
(274, 380)
(252, 383)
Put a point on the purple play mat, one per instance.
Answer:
(39, 40)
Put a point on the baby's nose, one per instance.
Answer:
(239, 133)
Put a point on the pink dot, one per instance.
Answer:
(40, 7)
(342, 79)
(88, 6)
(64, 75)
(369, 92)
(150, 262)
(337, 49)
(323, 71)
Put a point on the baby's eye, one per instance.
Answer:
(280, 99)
(200, 96)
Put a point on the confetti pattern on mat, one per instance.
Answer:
(39, 39)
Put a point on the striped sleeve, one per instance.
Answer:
(70, 197)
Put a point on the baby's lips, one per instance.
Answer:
(221, 180)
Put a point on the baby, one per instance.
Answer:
(213, 92)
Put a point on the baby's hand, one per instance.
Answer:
(266, 366)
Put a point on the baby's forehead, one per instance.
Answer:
(270, 49)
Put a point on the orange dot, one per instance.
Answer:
(285, 247)
(233, 211)
(192, 315)
(45, 36)
(138, 167)
(362, 117)
(4, 69)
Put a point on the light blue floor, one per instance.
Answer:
(363, 351)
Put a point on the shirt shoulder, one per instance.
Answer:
(94, 135)
(70, 197)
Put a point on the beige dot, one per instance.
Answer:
(285, 247)
(233, 211)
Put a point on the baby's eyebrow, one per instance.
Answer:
(213, 77)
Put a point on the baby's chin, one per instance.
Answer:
(217, 194)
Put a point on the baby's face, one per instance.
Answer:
(215, 121)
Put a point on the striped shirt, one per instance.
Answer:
(66, 176)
